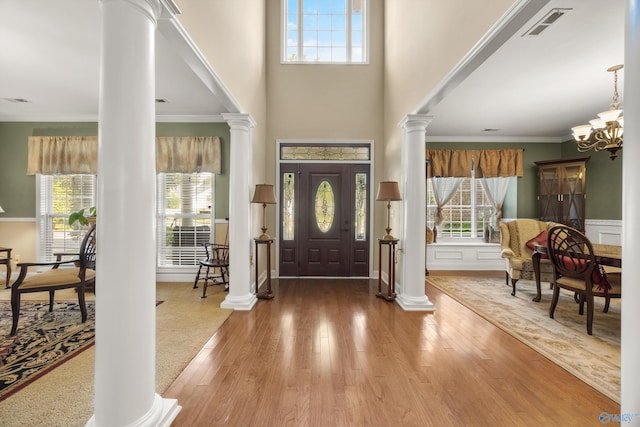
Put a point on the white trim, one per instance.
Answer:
(455, 254)
(216, 118)
(604, 231)
(498, 139)
(18, 220)
(464, 256)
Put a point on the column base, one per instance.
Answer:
(408, 303)
(243, 303)
(162, 414)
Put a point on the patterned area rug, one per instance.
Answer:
(44, 340)
(594, 359)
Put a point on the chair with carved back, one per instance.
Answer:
(577, 270)
(79, 274)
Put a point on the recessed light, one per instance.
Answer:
(17, 100)
(161, 101)
(490, 130)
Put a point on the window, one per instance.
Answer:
(58, 196)
(184, 206)
(324, 31)
(465, 215)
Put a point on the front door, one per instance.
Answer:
(324, 227)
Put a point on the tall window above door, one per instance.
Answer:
(325, 31)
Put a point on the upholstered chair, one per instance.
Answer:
(517, 240)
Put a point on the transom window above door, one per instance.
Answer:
(324, 31)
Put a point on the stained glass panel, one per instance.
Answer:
(288, 206)
(324, 152)
(361, 207)
(324, 206)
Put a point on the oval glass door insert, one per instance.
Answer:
(325, 206)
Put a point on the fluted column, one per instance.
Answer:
(411, 295)
(630, 374)
(240, 296)
(126, 281)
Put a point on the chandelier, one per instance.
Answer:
(605, 132)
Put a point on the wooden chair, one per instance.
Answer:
(79, 277)
(577, 270)
(216, 264)
(6, 261)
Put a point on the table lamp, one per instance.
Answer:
(264, 194)
(1, 210)
(388, 191)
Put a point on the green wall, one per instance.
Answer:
(604, 182)
(18, 190)
(603, 186)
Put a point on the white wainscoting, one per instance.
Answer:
(604, 231)
(486, 256)
(464, 256)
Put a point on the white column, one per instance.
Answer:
(126, 282)
(411, 295)
(240, 296)
(630, 373)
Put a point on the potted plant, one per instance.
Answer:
(83, 216)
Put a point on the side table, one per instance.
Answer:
(6, 261)
(391, 291)
(267, 294)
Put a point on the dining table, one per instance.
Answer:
(610, 255)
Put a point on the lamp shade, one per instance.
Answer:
(388, 191)
(1, 210)
(609, 115)
(264, 193)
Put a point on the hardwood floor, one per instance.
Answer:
(329, 353)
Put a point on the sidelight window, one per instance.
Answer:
(361, 207)
(288, 206)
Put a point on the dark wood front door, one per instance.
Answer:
(324, 227)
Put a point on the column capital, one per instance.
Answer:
(239, 121)
(151, 8)
(415, 122)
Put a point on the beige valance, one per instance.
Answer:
(52, 155)
(187, 154)
(488, 163)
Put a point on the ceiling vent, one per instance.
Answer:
(546, 22)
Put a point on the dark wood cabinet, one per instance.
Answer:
(561, 191)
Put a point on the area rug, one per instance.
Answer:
(594, 359)
(44, 340)
(184, 324)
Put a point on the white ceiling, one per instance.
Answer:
(49, 56)
(530, 88)
(537, 88)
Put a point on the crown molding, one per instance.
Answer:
(494, 138)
